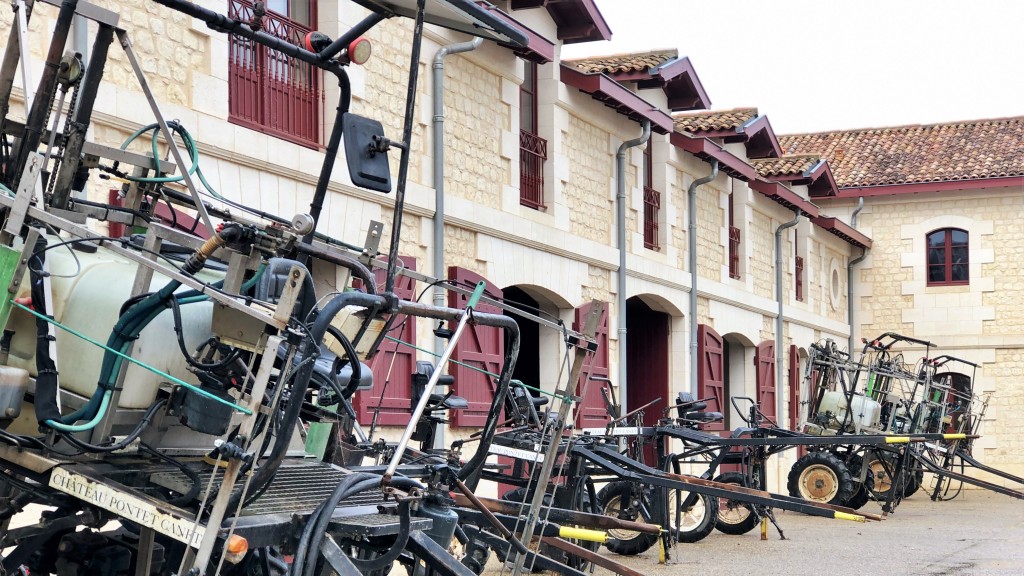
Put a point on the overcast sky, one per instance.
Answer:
(830, 64)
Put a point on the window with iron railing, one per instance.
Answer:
(798, 273)
(652, 202)
(734, 252)
(533, 150)
(267, 90)
(652, 206)
(734, 243)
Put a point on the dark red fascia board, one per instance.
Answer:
(677, 78)
(615, 95)
(843, 230)
(819, 181)
(760, 127)
(707, 150)
(922, 187)
(539, 49)
(577, 20)
(784, 196)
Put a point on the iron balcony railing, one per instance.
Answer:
(267, 90)
(652, 207)
(533, 151)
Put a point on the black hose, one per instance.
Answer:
(124, 442)
(265, 473)
(316, 524)
(353, 360)
(46, 370)
(193, 477)
(180, 336)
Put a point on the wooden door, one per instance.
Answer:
(711, 374)
(481, 347)
(764, 362)
(591, 412)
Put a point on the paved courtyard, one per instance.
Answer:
(978, 533)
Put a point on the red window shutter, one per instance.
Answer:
(764, 360)
(393, 364)
(711, 373)
(794, 393)
(482, 347)
(591, 410)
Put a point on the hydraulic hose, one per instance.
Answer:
(300, 383)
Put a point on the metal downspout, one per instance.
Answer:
(620, 239)
(691, 237)
(778, 319)
(438, 137)
(849, 273)
(438, 98)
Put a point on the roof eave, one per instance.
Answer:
(615, 95)
(940, 186)
(709, 150)
(576, 20)
(843, 230)
(538, 48)
(785, 197)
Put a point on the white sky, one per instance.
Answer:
(833, 64)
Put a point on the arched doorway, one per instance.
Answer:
(527, 368)
(739, 376)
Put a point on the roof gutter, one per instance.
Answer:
(620, 238)
(849, 274)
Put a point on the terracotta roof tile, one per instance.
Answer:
(785, 166)
(627, 62)
(713, 120)
(919, 153)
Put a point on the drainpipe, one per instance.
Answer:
(438, 97)
(779, 404)
(620, 238)
(438, 256)
(691, 236)
(849, 273)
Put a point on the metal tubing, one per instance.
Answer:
(438, 138)
(342, 42)
(849, 275)
(44, 94)
(779, 398)
(330, 155)
(403, 442)
(691, 237)
(403, 165)
(222, 23)
(81, 117)
(620, 240)
(9, 68)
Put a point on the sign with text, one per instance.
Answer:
(127, 506)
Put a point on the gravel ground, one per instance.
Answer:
(977, 533)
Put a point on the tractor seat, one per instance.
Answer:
(703, 417)
(449, 403)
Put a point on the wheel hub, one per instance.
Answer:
(819, 483)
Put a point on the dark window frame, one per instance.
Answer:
(652, 203)
(533, 150)
(947, 266)
(734, 241)
(798, 268)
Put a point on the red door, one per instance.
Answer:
(764, 361)
(481, 347)
(393, 364)
(711, 373)
(591, 411)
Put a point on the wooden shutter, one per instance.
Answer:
(711, 373)
(393, 364)
(481, 347)
(794, 394)
(764, 360)
(591, 411)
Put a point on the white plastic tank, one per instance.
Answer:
(87, 296)
(866, 412)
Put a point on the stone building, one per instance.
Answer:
(530, 185)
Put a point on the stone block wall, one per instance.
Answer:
(591, 173)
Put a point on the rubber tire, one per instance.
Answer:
(725, 505)
(622, 542)
(828, 470)
(862, 490)
(705, 524)
(913, 483)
